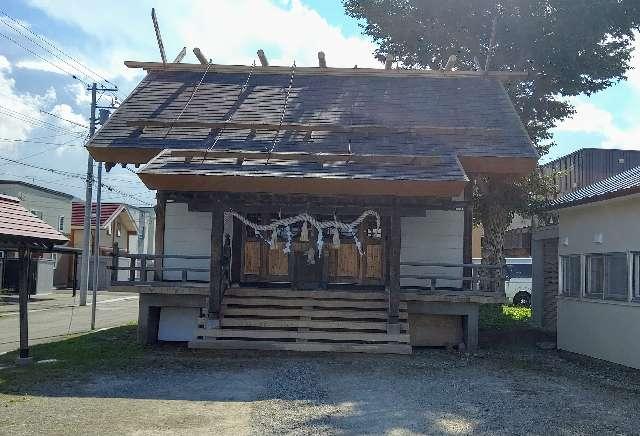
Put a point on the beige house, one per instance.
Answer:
(598, 306)
(116, 226)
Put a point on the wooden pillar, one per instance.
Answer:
(467, 238)
(74, 285)
(23, 280)
(161, 207)
(394, 241)
(215, 271)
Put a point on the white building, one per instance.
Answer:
(598, 306)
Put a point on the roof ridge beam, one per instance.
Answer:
(357, 128)
(273, 69)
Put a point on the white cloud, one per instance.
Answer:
(227, 31)
(32, 64)
(592, 119)
(82, 97)
(16, 108)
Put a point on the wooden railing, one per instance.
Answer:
(472, 277)
(139, 267)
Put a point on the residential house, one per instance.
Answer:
(313, 209)
(117, 225)
(54, 208)
(598, 303)
(573, 172)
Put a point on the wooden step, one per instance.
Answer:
(309, 335)
(304, 302)
(316, 324)
(301, 346)
(309, 313)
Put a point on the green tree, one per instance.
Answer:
(573, 47)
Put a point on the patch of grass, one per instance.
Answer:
(504, 317)
(113, 349)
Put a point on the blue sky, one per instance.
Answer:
(104, 34)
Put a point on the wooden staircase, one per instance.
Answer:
(282, 319)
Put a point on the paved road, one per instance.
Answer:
(55, 315)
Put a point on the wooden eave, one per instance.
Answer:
(380, 72)
(301, 185)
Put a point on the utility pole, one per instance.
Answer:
(96, 249)
(88, 197)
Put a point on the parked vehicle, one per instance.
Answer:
(517, 286)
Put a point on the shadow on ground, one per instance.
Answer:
(169, 388)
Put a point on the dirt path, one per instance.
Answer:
(432, 392)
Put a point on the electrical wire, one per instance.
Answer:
(43, 58)
(57, 49)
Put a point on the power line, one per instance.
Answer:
(77, 176)
(42, 58)
(52, 45)
(30, 141)
(35, 121)
(57, 49)
(64, 119)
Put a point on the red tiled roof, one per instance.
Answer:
(16, 221)
(107, 210)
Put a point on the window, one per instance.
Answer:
(616, 276)
(37, 213)
(519, 270)
(594, 276)
(61, 223)
(607, 276)
(118, 231)
(109, 229)
(635, 282)
(570, 268)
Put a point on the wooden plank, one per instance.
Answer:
(301, 346)
(348, 262)
(251, 265)
(322, 158)
(308, 335)
(393, 242)
(160, 209)
(374, 265)
(277, 262)
(497, 75)
(293, 323)
(309, 313)
(300, 302)
(320, 294)
(297, 127)
(215, 272)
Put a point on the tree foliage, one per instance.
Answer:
(573, 47)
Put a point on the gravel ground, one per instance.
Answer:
(506, 391)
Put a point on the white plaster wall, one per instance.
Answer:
(604, 330)
(187, 233)
(618, 220)
(436, 237)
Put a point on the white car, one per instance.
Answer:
(517, 286)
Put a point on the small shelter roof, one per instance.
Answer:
(21, 229)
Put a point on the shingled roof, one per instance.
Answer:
(622, 184)
(20, 228)
(455, 117)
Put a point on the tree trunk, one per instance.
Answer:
(495, 214)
